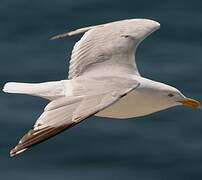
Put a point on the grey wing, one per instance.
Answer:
(109, 48)
(66, 112)
(101, 51)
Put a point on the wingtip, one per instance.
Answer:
(60, 36)
(15, 151)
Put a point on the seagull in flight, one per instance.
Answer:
(103, 81)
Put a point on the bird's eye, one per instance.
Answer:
(125, 36)
(170, 95)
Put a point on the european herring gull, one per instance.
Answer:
(103, 81)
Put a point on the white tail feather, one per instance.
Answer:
(20, 88)
(48, 90)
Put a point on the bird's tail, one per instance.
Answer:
(48, 90)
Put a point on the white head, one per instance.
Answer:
(158, 96)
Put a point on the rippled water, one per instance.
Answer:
(165, 145)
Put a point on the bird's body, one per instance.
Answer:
(103, 80)
(133, 105)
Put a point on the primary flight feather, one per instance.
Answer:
(103, 81)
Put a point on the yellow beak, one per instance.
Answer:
(191, 103)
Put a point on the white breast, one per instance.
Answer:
(134, 104)
(126, 107)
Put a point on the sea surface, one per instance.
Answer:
(163, 146)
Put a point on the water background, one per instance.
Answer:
(163, 146)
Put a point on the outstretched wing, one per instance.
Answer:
(109, 48)
(66, 112)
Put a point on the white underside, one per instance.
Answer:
(134, 104)
(126, 107)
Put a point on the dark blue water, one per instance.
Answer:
(162, 146)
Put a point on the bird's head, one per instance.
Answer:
(171, 96)
(175, 97)
(159, 96)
